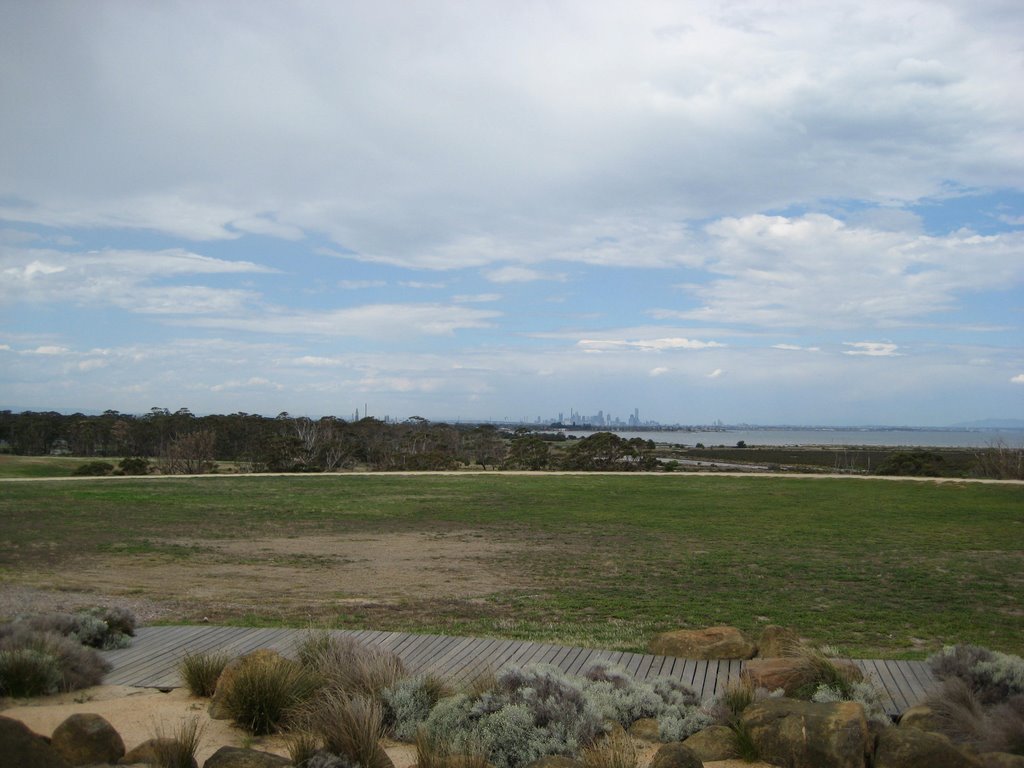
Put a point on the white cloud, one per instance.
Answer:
(872, 348)
(716, 373)
(369, 321)
(656, 345)
(47, 350)
(816, 271)
(254, 382)
(92, 364)
(355, 285)
(658, 371)
(476, 298)
(1018, 379)
(510, 274)
(795, 348)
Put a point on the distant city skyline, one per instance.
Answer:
(757, 212)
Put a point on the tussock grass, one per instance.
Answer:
(617, 751)
(349, 666)
(434, 752)
(266, 695)
(348, 725)
(200, 671)
(178, 748)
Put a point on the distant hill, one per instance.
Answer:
(991, 424)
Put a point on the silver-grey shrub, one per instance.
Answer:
(619, 697)
(407, 705)
(529, 713)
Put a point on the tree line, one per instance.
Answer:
(180, 442)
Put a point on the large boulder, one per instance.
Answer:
(921, 717)
(716, 742)
(708, 643)
(19, 746)
(237, 757)
(788, 673)
(777, 641)
(217, 710)
(87, 739)
(1001, 760)
(914, 748)
(803, 734)
(148, 752)
(675, 755)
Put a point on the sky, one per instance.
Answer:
(755, 212)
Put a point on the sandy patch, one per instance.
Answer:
(287, 573)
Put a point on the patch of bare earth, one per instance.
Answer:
(285, 576)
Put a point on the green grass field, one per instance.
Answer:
(878, 568)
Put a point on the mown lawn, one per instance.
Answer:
(878, 568)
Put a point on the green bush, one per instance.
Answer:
(529, 713)
(265, 695)
(28, 672)
(105, 628)
(408, 702)
(77, 666)
(134, 465)
(93, 469)
(991, 675)
(200, 671)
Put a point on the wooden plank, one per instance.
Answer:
(632, 662)
(907, 681)
(525, 654)
(453, 660)
(165, 651)
(414, 659)
(426, 662)
(645, 666)
(888, 689)
(923, 673)
(482, 660)
(583, 661)
(688, 672)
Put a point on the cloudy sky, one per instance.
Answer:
(754, 211)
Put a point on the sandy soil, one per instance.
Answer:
(307, 574)
(139, 714)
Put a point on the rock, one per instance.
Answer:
(1001, 760)
(675, 755)
(709, 643)
(237, 757)
(802, 734)
(716, 742)
(777, 641)
(789, 673)
(227, 676)
(19, 746)
(555, 761)
(87, 739)
(146, 753)
(920, 717)
(646, 728)
(914, 748)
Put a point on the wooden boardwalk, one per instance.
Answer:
(152, 659)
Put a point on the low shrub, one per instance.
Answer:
(302, 746)
(28, 672)
(408, 702)
(617, 696)
(991, 675)
(530, 712)
(265, 695)
(349, 666)
(816, 670)
(105, 628)
(93, 469)
(981, 701)
(200, 671)
(78, 666)
(433, 753)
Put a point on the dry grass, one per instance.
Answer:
(178, 749)
(348, 666)
(350, 726)
(617, 751)
(200, 671)
(265, 695)
(433, 753)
